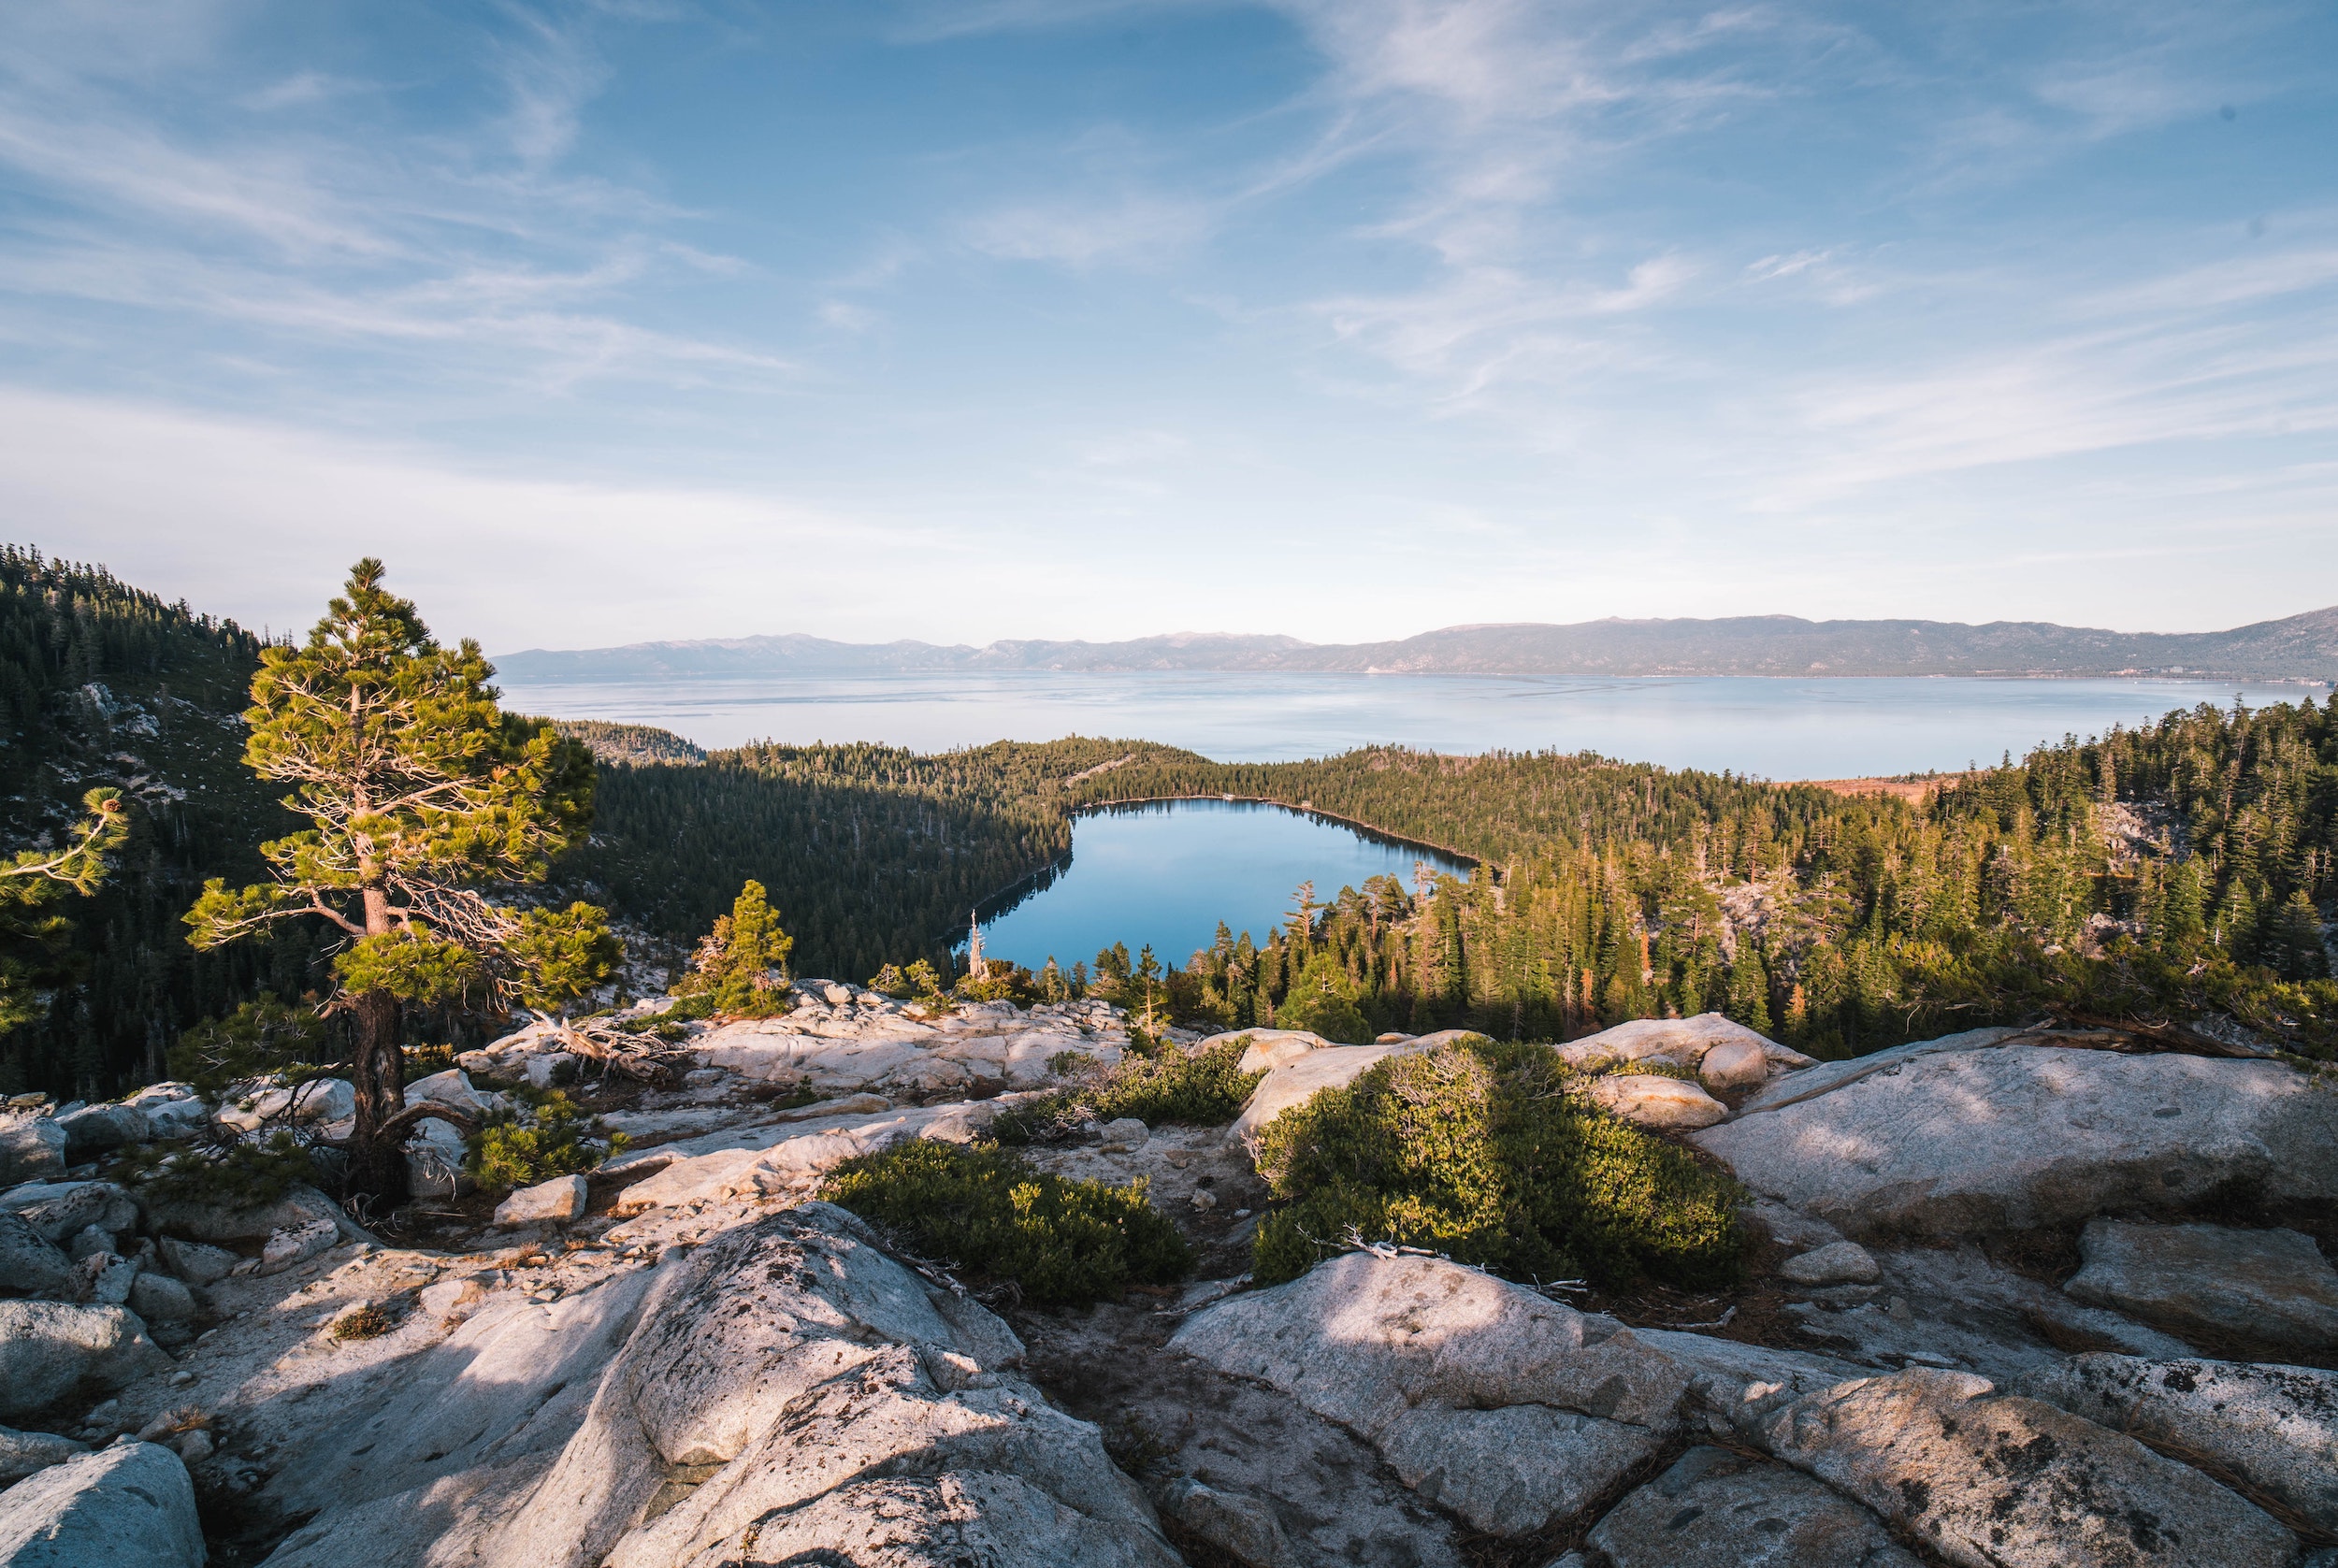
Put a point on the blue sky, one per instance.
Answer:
(1341, 318)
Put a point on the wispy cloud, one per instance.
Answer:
(322, 219)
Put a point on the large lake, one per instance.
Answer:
(1806, 729)
(1167, 874)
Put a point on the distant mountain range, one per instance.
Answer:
(2300, 647)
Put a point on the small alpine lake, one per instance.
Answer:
(1166, 873)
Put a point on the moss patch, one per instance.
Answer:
(1477, 1151)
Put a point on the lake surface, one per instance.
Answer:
(1166, 874)
(1803, 728)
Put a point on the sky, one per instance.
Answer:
(1347, 319)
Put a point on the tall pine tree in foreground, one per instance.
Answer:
(422, 797)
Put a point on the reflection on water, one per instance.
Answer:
(1813, 729)
(1166, 874)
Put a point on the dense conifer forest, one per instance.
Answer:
(2178, 872)
(103, 684)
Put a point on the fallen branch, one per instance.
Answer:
(643, 1058)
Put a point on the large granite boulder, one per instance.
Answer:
(300, 1207)
(1265, 1050)
(1991, 1480)
(97, 1130)
(318, 1100)
(1716, 1509)
(31, 1147)
(30, 1264)
(27, 1453)
(2272, 1427)
(1309, 1074)
(60, 1209)
(129, 1507)
(786, 1394)
(1654, 1101)
(1973, 1140)
(49, 1349)
(2211, 1284)
(1510, 1410)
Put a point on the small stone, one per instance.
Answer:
(1838, 1264)
(1125, 1135)
(1205, 1200)
(184, 1379)
(560, 1199)
(195, 1447)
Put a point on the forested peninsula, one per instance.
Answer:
(2176, 875)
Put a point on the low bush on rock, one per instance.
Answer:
(1203, 1089)
(230, 1174)
(983, 1210)
(549, 1137)
(1475, 1151)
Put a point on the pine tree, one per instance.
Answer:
(420, 793)
(1749, 990)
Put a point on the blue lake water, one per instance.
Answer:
(1167, 874)
(1799, 729)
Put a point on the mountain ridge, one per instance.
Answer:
(2303, 647)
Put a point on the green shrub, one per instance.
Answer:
(546, 1139)
(1475, 1151)
(235, 1175)
(985, 1211)
(1198, 1089)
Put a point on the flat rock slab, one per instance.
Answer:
(1510, 1410)
(1972, 1141)
(2272, 1288)
(2272, 1427)
(1716, 1509)
(1992, 1480)
(130, 1506)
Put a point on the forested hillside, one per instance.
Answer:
(103, 684)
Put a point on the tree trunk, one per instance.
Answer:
(377, 1166)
